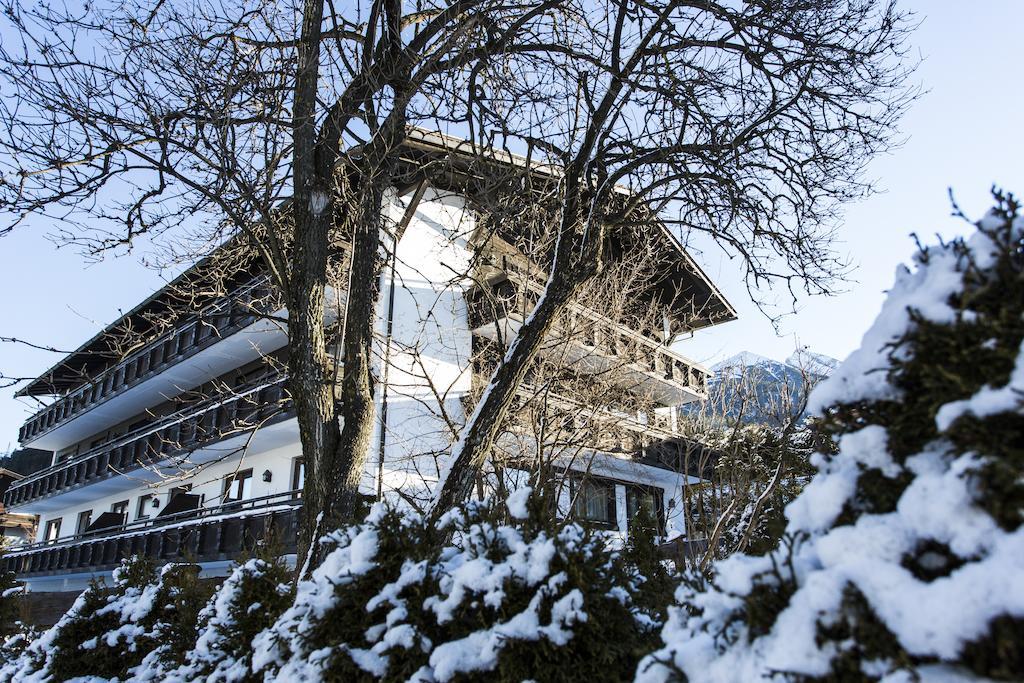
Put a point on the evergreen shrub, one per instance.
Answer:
(903, 558)
(474, 599)
(145, 620)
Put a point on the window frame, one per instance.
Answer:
(85, 515)
(658, 493)
(51, 532)
(244, 476)
(576, 488)
(178, 490)
(121, 507)
(298, 474)
(145, 500)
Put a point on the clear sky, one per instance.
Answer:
(964, 133)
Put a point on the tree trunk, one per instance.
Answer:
(357, 376)
(568, 276)
(311, 383)
(339, 459)
(312, 389)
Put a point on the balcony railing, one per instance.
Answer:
(217, 321)
(201, 535)
(511, 299)
(580, 415)
(195, 426)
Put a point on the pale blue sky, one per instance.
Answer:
(965, 134)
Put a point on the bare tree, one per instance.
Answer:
(267, 128)
(749, 124)
(584, 395)
(278, 129)
(577, 400)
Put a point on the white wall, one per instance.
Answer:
(621, 471)
(430, 347)
(430, 338)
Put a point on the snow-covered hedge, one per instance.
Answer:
(395, 599)
(108, 633)
(249, 601)
(502, 602)
(10, 594)
(903, 558)
(905, 555)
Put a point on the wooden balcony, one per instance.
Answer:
(195, 426)
(215, 322)
(599, 344)
(200, 535)
(610, 428)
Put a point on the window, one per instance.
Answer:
(84, 520)
(298, 474)
(181, 500)
(142, 510)
(121, 508)
(595, 502)
(52, 530)
(649, 502)
(185, 490)
(238, 486)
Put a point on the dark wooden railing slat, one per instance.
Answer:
(209, 538)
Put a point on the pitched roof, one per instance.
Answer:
(684, 282)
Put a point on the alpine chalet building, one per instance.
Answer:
(183, 446)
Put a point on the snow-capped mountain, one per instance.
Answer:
(814, 363)
(801, 359)
(756, 387)
(743, 358)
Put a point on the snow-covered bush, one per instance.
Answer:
(496, 602)
(904, 558)
(14, 635)
(250, 600)
(395, 599)
(145, 615)
(50, 654)
(654, 584)
(10, 607)
(14, 646)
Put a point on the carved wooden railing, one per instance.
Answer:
(200, 535)
(513, 299)
(197, 425)
(215, 322)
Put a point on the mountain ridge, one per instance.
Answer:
(802, 359)
(761, 385)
